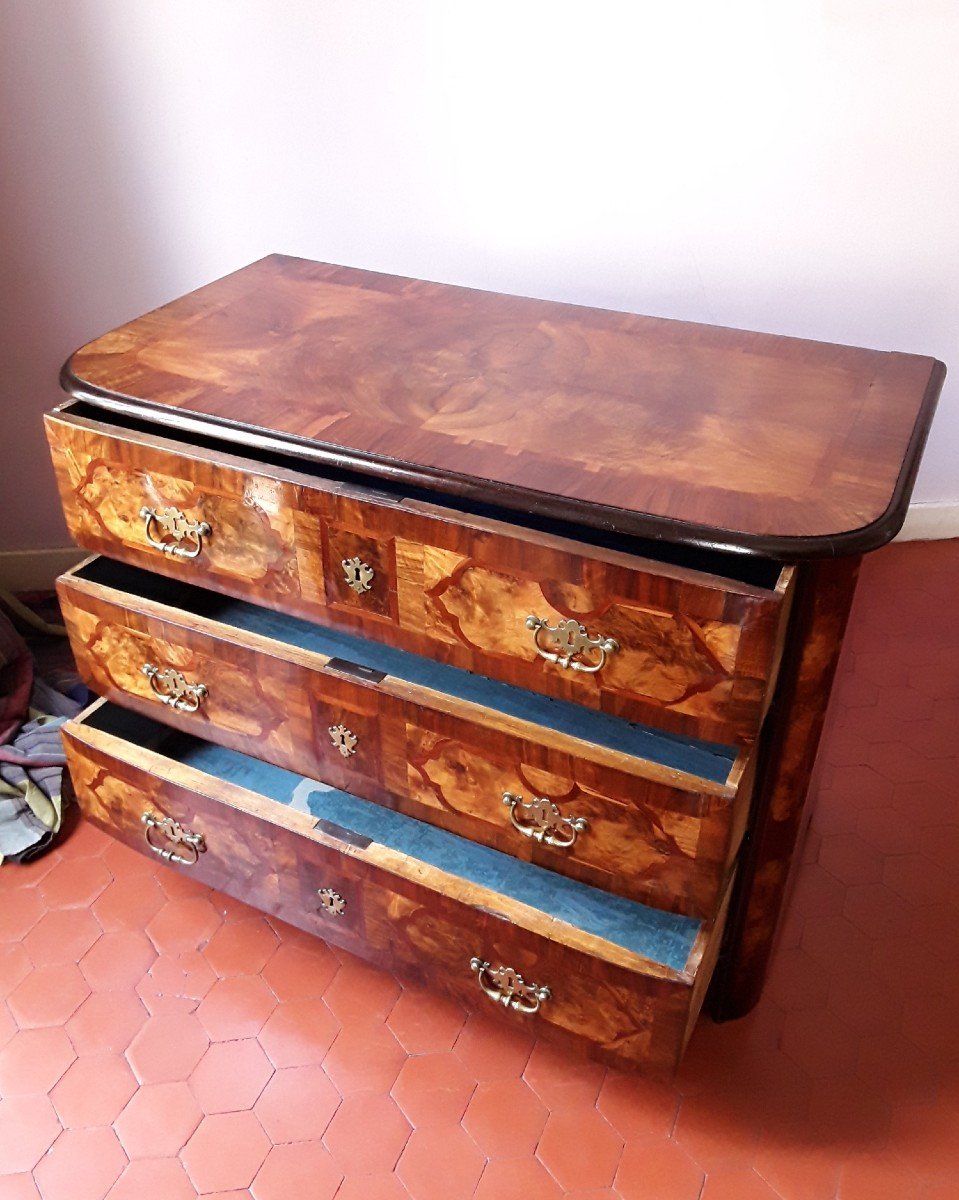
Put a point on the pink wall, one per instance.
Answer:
(778, 167)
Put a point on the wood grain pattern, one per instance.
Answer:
(690, 432)
(697, 653)
(416, 919)
(786, 759)
(655, 834)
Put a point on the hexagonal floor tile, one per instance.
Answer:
(433, 1089)
(226, 1152)
(462, 1163)
(48, 996)
(167, 1048)
(93, 1091)
(299, 1169)
(580, 1148)
(158, 1121)
(297, 1104)
(82, 1165)
(299, 1033)
(237, 1007)
(62, 936)
(231, 1076)
(28, 1128)
(33, 1060)
(505, 1118)
(367, 1134)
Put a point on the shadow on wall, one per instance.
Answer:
(80, 250)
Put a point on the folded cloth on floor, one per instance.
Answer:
(31, 751)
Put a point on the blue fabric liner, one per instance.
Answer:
(663, 937)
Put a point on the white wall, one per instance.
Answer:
(791, 167)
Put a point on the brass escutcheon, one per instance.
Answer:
(187, 535)
(568, 639)
(359, 575)
(543, 822)
(175, 835)
(507, 987)
(343, 739)
(331, 902)
(171, 687)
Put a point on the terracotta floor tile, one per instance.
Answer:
(449, 1145)
(124, 862)
(517, 1179)
(83, 1164)
(94, 1091)
(425, 1024)
(8, 1027)
(360, 992)
(296, 973)
(303, 1169)
(299, 1033)
(637, 1107)
(130, 902)
(118, 961)
(237, 1007)
(367, 1134)
(863, 1004)
(106, 1021)
(48, 996)
(505, 1118)
(86, 840)
(74, 883)
(297, 1104)
(167, 1048)
(491, 1049)
(18, 1187)
(184, 924)
(176, 983)
(181, 885)
(62, 936)
(33, 1060)
(364, 1058)
(580, 1148)
(231, 1076)
(158, 1121)
(226, 1152)
(28, 1128)
(562, 1080)
(15, 966)
(658, 1169)
(371, 1187)
(877, 1177)
(717, 1129)
(737, 1183)
(20, 911)
(820, 1043)
(153, 1179)
(796, 1169)
(433, 1089)
(241, 947)
(797, 981)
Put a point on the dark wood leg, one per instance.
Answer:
(787, 753)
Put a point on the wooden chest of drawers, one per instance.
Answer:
(488, 637)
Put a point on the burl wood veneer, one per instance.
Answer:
(656, 522)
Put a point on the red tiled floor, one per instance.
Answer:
(158, 1039)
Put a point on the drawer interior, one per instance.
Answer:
(752, 570)
(372, 661)
(661, 937)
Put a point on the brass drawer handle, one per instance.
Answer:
(171, 687)
(569, 639)
(507, 987)
(172, 523)
(331, 902)
(192, 843)
(359, 575)
(543, 822)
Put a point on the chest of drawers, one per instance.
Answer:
(490, 638)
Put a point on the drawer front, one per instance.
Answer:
(573, 808)
(424, 923)
(664, 646)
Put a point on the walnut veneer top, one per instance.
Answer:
(690, 433)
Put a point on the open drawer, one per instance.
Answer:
(622, 980)
(685, 640)
(645, 814)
